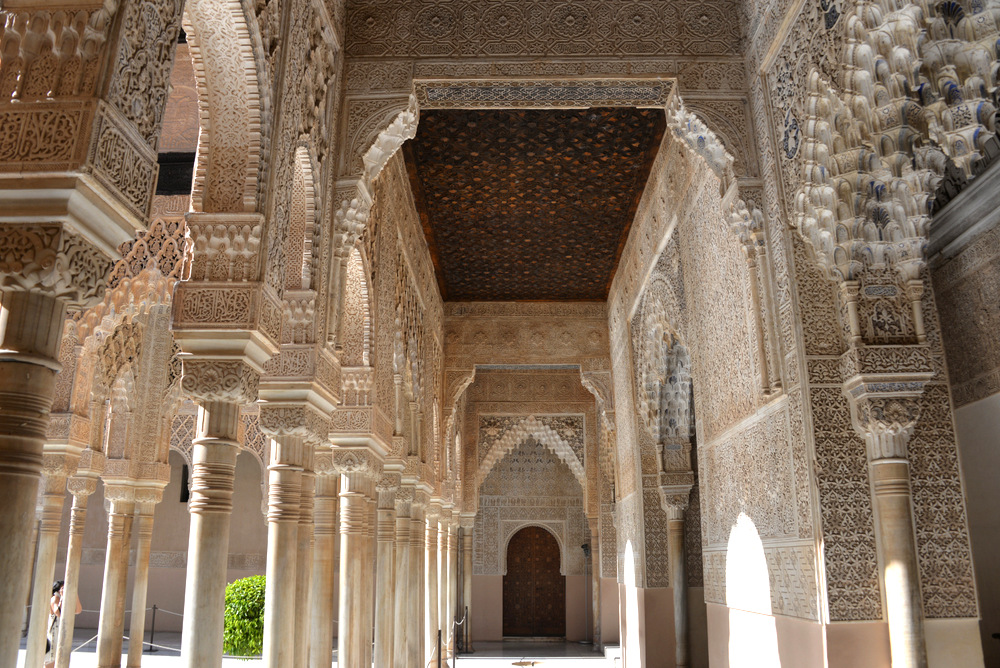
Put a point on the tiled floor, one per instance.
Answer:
(487, 654)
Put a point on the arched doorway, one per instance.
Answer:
(534, 591)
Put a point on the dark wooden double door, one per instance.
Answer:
(534, 592)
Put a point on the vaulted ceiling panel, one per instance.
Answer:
(530, 204)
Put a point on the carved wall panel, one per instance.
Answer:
(964, 288)
(529, 486)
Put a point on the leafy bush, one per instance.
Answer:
(244, 626)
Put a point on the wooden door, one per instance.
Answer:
(534, 592)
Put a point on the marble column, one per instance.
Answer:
(81, 488)
(303, 569)
(50, 520)
(442, 582)
(143, 528)
(111, 624)
(30, 331)
(431, 600)
(355, 486)
(904, 607)
(416, 633)
(886, 421)
(284, 497)
(595, 579)
(675, 491)
(467, 581)
(368, 580)
(322, 602)
(385, 583)
(401, 624)
(678, 580)
(211, 506)
(453, 615)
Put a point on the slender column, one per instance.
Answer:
(212, 481)
(30, 331)
(467, 579)
(442, 578)
(322, 602)
(678, 580)
(368, 579)
(452, 584)
(284, 496)
(385, 584)
(354, 486)
(415, 601)
(432, 603)
(402, 625)
(303, 569)
(81, 488)
(50, 520)
(140, 582)
(886, 421)
(595, 576)
(904, 609)
(111, 624)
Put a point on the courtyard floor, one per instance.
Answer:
(488, 654)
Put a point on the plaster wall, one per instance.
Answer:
(610, 631)
(978, 428)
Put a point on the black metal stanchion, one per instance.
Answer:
(152, 630)
(439, 648)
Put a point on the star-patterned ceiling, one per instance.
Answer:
(530, 204)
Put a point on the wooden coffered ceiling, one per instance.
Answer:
(530, 204)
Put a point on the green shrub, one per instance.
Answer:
(244, 632)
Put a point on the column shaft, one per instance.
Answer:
(595, 577)
(351, 637)
(212, 482)
(385, 587)
(140, 583)
(77, 521)
(904, 609)
(368, 580)
(303, 570)
(452, 585)
(322, 602)
(678, 580)
(401, 624)
(45, 566)
(112, 620)
(431, 592)
(30, 330)
(467, 581)
(284, 496)
(415, 600)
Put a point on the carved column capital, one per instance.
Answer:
(81, 486)
(219, 380)
(884, 411)
(300, 420)
(404, 500)
(387, 487)
(53, 259)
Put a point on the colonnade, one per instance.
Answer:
(396, 559)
